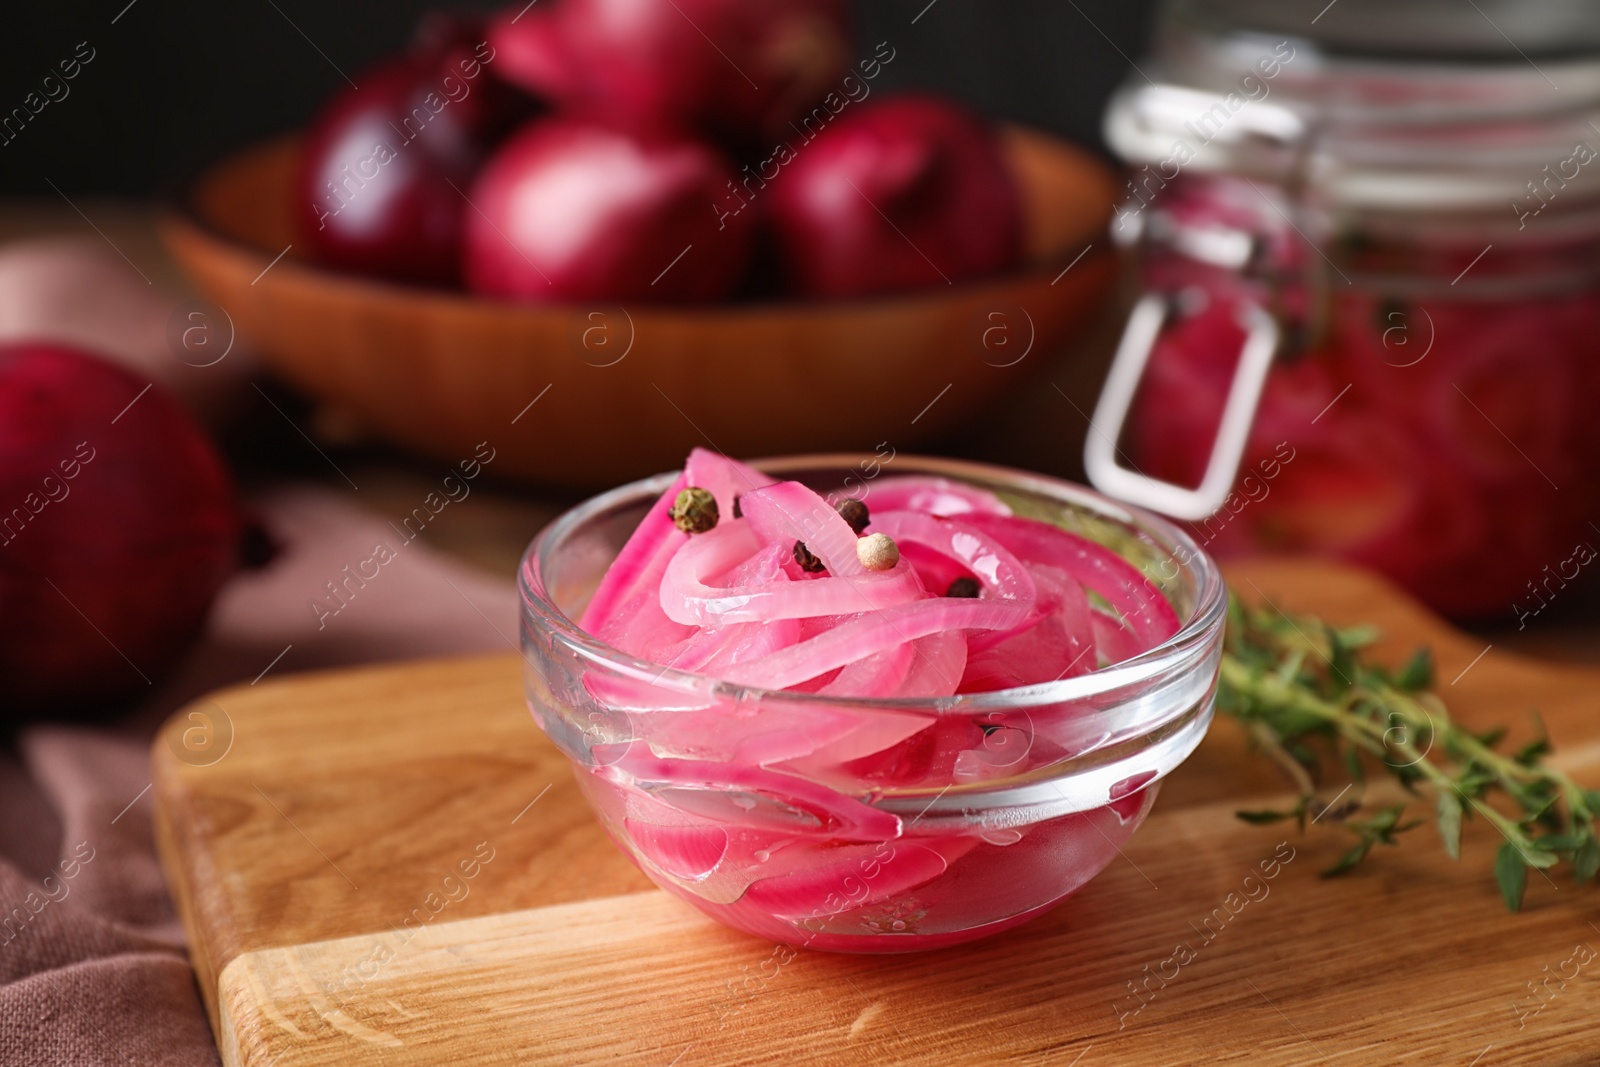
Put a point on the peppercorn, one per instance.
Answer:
(878, 552)
(854, 512)
(808, 563)
(695, 510)
(963, 587)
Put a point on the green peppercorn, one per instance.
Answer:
(808, 563)
(963, 587)
(695, 510)
(854, 512)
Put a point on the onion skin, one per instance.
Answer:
(114, 536)
(905, 193)
(384, 167)
(571, 210)
(734, 69)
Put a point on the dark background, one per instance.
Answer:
(177, 82)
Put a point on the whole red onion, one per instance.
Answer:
(730, 67)
(569, 210)
(907, 192)
(385, 166)
(117, 527)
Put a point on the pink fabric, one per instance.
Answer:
(92, 965)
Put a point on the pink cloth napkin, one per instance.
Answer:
(92, 965)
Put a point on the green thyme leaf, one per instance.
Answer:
(1586, 864)
(1533, 857)
(1450, 823)
(1492, 736)
(1534, 750)
(1512, 875)
(1353, 765)
(1349, 859)
(1559, 842)
(1417, 674)
(1341, 660)
(1263, 818)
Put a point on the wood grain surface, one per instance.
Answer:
(319, 815)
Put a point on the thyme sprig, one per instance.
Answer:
(1309, 698)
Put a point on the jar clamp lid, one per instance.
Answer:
(1410, 114)
(1402, 104)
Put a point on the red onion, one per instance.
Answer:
(730, 67)
(385, 167)
(899, 194)
(569, 210)
(117, 527)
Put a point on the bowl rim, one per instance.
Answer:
(176, 206)
(1186, 648)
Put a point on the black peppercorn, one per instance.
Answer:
(695, 510)
(854, 512)
(963, 587)
(808, 563)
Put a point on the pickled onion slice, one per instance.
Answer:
(1059, 641)
(1000, 573)
(726, 479)
(718, 647)
(686, 852)
(874, 676)
(686, 596)
(856, 877)
(1114, 641)
(640, 628)
(788, 512)
(932, 496)
(640, 563)
(936, 571)
(1122, 585)
(740, 795)
(937, 668)
(866, 634)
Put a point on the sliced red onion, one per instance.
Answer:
(738, 795)
(1098, 568)
(937, 667)
(857, 877)
(873, 676)
(1057, 642)
(687, 597)
(996, 569)
(788, 512)
(724, 478)
(640, 563)
(687, 852)
(866, 634)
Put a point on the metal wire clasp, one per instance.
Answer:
(1116, 397)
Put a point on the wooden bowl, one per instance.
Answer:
(624, 392)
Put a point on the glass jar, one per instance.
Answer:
(1370, 249)
(864, 825)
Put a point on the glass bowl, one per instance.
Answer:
(870, 825)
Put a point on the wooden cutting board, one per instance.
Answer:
(393, 866)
